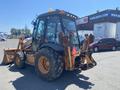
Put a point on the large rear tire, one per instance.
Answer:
(48, 64)
(20, 60)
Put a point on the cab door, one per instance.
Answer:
(38, 34)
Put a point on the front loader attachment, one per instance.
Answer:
(9, 55)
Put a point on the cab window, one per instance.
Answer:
(40, 29)
(53, 27)
(70, 30)
(69, 25)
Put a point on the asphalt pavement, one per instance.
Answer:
(105, 76)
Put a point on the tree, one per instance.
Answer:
(17, 32)
(13, 31)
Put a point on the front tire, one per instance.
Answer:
(48, 64)
(20, 60)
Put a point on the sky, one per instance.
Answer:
(20, 13)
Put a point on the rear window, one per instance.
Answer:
(108, 40)
(103, 40)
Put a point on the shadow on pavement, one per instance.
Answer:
(30, 81)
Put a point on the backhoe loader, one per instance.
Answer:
(54, 47)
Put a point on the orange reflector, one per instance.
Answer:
(74, 51)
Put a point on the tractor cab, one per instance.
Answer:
(51, 27)
(57, 30)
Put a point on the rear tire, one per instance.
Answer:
(48, 64)
(19, 60)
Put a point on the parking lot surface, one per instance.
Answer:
(105, 76)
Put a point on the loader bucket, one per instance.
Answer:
(8, 57)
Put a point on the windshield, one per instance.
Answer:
(70, 30)
(69, 25)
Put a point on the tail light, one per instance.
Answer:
(74, 51)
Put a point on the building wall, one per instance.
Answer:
(118, 31)
(112, 16)
(104, 30)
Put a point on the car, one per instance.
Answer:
(104, 44)
(2, 38)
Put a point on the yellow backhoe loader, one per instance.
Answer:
(54, 47)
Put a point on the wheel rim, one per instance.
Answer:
(43, 65)
(96, 49)
(17, 61)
